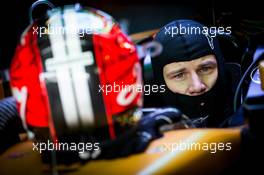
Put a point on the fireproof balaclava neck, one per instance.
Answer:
(185, 40)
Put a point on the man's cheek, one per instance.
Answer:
(177, 87)
(210, 80)
(182, 87)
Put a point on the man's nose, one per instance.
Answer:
(197, 86)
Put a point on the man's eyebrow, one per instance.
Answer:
(176, 71)
(206, 63)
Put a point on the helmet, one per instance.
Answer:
(69, 72)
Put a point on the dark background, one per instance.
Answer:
(246, 18)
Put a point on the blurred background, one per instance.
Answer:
(245, 18)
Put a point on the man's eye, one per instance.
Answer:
(179, 76)
(205, 70)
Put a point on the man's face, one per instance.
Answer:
(193, 77)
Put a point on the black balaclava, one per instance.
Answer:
(185, 46)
